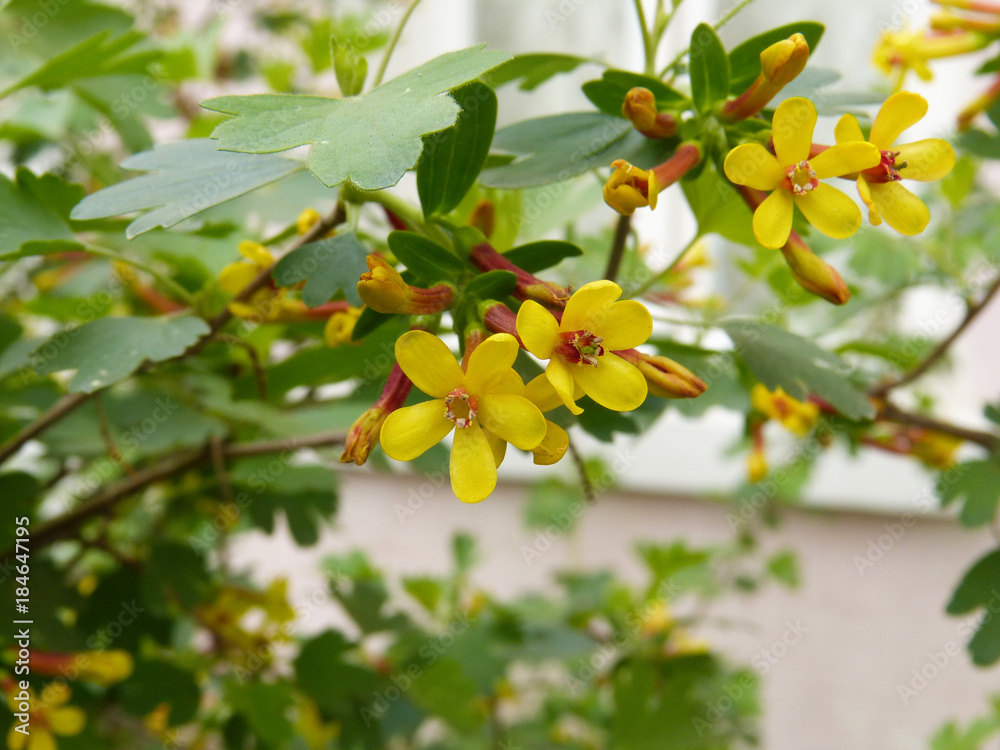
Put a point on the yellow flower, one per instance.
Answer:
(48, 716)
(630, 188)
(306, 220)
(794, 178)
(267, 304)
(935, 449)
(910, 50)
(340, 326)
(483, 404)
(797, 416)
(924, 161)
(580, 348)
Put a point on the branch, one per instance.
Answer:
(622, 229)
(942, 348)
(71, 401)
(102, 501)
(892, 413)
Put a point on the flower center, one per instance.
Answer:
(462, 408)
(887, 170)
(579, 347)
(801, 178)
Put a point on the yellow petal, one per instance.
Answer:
(538, 329)
(772, 221)
(429, 363)
(864, 190)
(68, 720)
(498, 446)
(926, 160)
(900, 111)
(614, 383)
(256, 253)
(512, 418)
(540, 392)
(586, 308)
(235, 277)
(490, 362)
(16, 740)
(845, 158)
(553, 446)
(628, 324)
(560, 376)
(830, 211)
(848, 130)
(473, 466)
(42, 739)
(793, 124)
(753, 165)
(408, 432)
(901, 209)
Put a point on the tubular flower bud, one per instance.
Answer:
(640, 109)
(665, 378)
(799, 417)
(384, 290)
(98, 667)
(499, 318)
(630, 188)
(485, 257)
(306, 220)
(979, 105)
(363, 435)
(340, 326)
(483, 217)
(779, 65)
(978, 6)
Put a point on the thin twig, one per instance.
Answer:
(892, 413)
(258, 369)
(589, 491)
(942, 348)
(622, 229)
(107, 437)
(218, 453)
(393, 41)
(102, 501)
(62, 407)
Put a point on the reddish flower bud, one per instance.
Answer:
(665, 378)
(640, 109)
(486, 258)
(363, 435)
(384, 290)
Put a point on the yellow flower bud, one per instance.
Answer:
(640, 109)
(384, 290)
(630, 188)
(797, 416)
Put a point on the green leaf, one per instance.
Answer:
(718, 208)
(533, 69)
(779, 358)
(744, 60)
(980, 143)
(307, 495)
(978, 484)
(174, 572)
(538, 256)
(709, 68)
(427, 591)
(154, 682)
(186, 178)
(265, 707)
(369, 140)
(368, 322)
(350, 67)
(426, 258)
(327, 678)
(32, 217)
(553, 502)
(108, 349)
(957, 184)
(784, 566)
(878, 258)
(556, 148)
(19, 491)
(463, 549)
(608, 92)
(327, 266)
(446, 691)
(978, 589)
(491, 285)
(452, 158)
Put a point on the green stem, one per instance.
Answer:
(405, 211)
(391, 47)
(717, 25)
(647, 40)
(176, 288)
(662, 275)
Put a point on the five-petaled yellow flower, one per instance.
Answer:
(924, 161)
(484, 404)
(580, 348)
(794, 179)
(797, 416)
(48, 717)
(267, 304)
